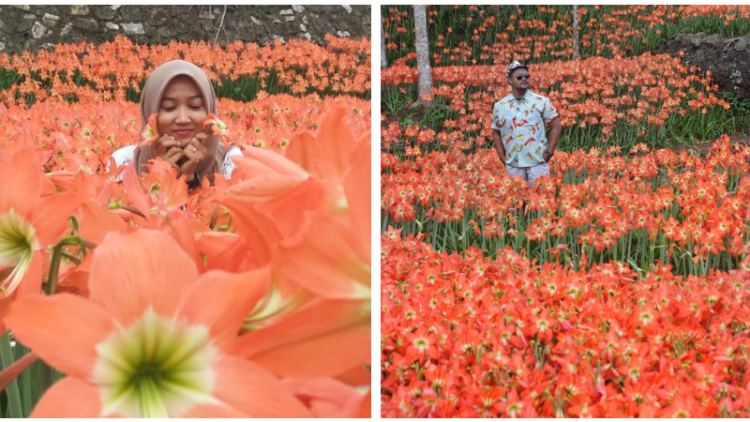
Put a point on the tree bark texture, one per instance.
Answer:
(423, 54)
(575, 33)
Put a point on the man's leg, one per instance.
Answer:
(537, 172)
(514, 172)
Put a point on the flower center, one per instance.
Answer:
(157, 367)
(18, 242)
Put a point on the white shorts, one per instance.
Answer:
(529, 174)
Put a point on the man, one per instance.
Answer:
(518, 127)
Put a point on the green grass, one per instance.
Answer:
(243, 89)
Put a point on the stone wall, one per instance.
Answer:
(33, 27)
(728, 58)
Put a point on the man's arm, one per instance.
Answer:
(498, 144)
(554, 134)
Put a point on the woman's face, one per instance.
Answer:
(182, 109)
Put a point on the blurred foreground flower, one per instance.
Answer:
(154, 339)
(28, 223)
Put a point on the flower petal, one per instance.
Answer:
(96, 222)
(259, 231)
(222, 300)
(45, 323)
(22, 181)
(254, 391)
(50, 215)
(132, 272)
(326, 355)
(327, 398)
(31, 284)
(213, 411)
(334, 144)
(324, 261)
(69, 398)
(336, 334)
(357, 187)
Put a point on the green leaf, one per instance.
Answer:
(14, 396)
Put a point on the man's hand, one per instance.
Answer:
(498, 144)
(195, 153)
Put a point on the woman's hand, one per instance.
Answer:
(168, 149)
(195, 153)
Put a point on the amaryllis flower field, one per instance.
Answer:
(131, 296)
(617, 286)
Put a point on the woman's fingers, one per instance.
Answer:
(195, 153)
(164, 144)
(202, 138)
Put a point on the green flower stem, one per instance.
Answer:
(57, 255)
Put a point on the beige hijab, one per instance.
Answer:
(150, 102)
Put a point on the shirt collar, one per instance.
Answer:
(525, 97)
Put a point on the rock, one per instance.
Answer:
(304, 20)
(278, 37)
(713, 39)
(66, 29)
(50, 20)
(286, 12)
(298, 9)
(697, 38)
(24, 7)
(255, 21)
(112, 26)
(39, 31)
(165, 32)
(29, 16)
(348, 8)
(47, 46)
(104, 13)
(2, 46)
(307, 36)
(741, 44)
(684, 39)
(115, 7)
(206, 15)
(303, 27)
(133, 28)
(87, 24)
(289, 18)
(20, 26)
(159, 17)
(275, 20)
(343, 33)
(79, 10)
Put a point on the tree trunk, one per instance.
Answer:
(423, 55)
(383, 60)
(575, 32)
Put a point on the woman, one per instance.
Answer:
(181, 96)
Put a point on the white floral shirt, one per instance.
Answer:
(521, 125)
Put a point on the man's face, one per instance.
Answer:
(523, 83)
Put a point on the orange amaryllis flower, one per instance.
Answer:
(151, 133)
(156, 339)
(217, 126)
(28, 223)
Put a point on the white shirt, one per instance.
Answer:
(124, 156)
